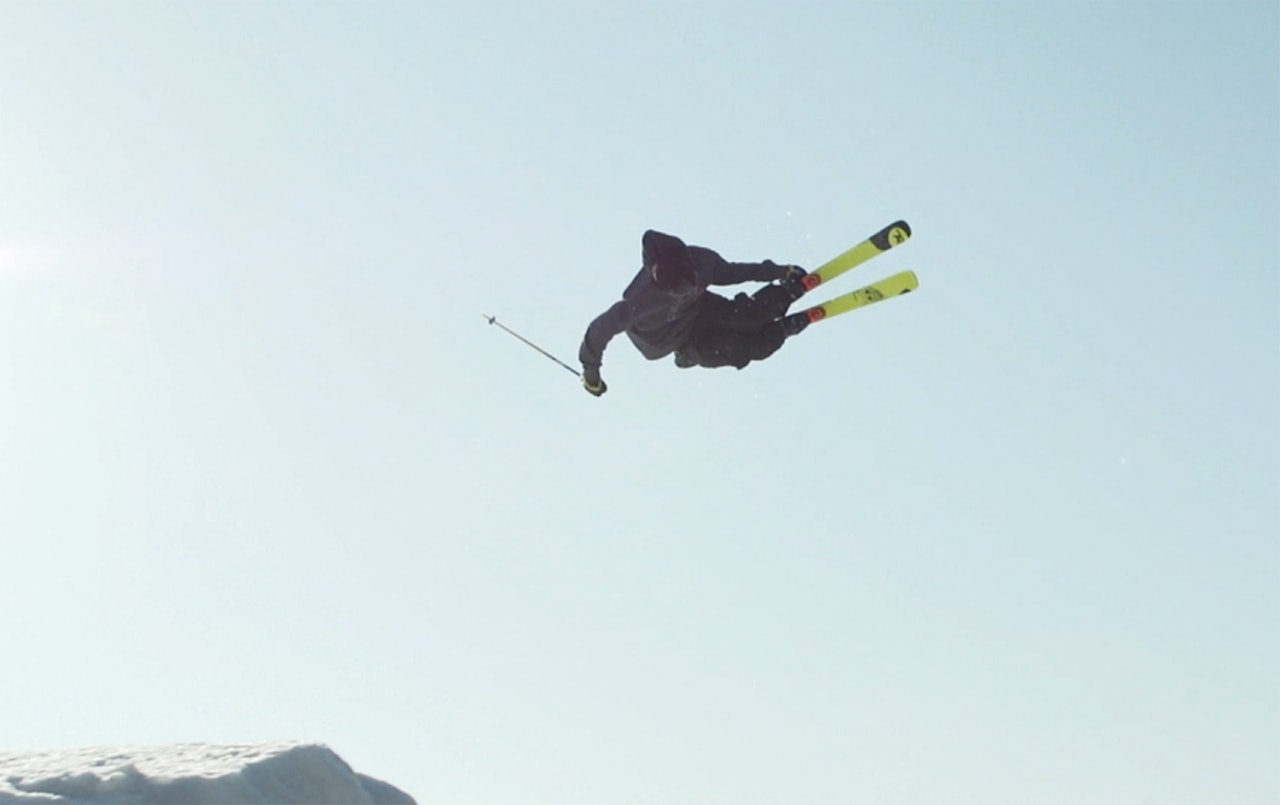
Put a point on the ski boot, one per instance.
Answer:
(794, 324)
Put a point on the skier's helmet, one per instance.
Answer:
(667, 259)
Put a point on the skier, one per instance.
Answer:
(667, 309)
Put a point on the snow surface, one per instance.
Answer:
(190, 774)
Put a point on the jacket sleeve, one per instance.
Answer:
(725, 273)
(601, 331)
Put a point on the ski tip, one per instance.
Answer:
(894, 234)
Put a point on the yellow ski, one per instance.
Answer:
(896, 285)
(892, 235)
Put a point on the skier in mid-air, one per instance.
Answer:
(667, 309)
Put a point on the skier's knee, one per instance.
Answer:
(758, 348)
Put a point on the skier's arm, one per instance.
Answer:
(599, 333)
(724, 272)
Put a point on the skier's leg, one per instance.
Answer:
(734, 332)
(744, 313)
(729, 348)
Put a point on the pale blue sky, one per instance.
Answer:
(266, 474)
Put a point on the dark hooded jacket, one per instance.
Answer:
(658, 321)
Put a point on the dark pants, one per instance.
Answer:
(735, 332)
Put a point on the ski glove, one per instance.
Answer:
(791, 273)
(592, 382)
(792, 280)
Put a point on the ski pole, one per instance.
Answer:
(493, 320)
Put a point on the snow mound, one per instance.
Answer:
(190, 774)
